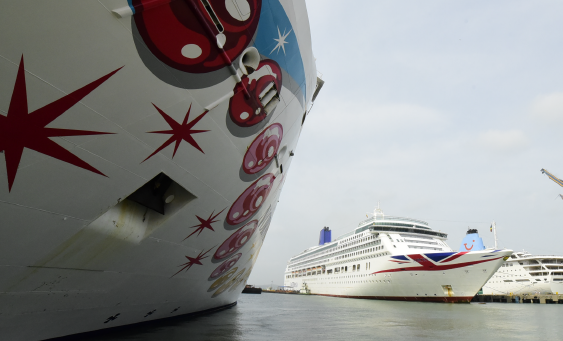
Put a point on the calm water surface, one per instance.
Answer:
(293, 317)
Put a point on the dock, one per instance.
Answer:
(286, 292)
(515, 298)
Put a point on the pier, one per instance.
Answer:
(523, 298)
(287, 292)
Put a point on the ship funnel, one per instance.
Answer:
(472, 242)
(325, 236)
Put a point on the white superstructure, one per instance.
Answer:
(524, 273)
(393, 258)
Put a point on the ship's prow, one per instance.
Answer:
(143, 147)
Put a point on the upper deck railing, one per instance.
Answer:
(538, 256)
(377, 218)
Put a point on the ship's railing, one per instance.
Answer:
(310, 252)
(372, 219)
(417, 230)
(344, 235)
(539, 256)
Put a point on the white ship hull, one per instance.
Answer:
(524, 273)
(411, 281)
(144, 147)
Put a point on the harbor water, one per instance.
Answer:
(298, 317)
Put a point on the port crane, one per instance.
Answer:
(554, 178)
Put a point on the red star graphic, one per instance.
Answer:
(20, 129)
(179, 132)
(193, 261)
(205, 223)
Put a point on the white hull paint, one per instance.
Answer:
(79, 251)
(409, 284)
(524, 273)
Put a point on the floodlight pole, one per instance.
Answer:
(495, 232)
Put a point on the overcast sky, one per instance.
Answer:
(443, 111)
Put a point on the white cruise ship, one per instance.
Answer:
(392, 258)
(524, 273)
(143, 148)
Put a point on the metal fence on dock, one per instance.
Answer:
(525, 298)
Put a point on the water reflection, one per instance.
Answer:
(223, 325)
(291, 317)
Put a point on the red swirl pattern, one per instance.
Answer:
(250, 200)
(229, 263)
(174, 32)
(246, 112)
(263, 149)
(236, 240)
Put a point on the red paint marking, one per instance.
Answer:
(261, 149)
(438, 267)
(249, 199)
(179, 132)
(452, 257)
(422, 261)
(467, 248)
(460, 299)
(205, 223)
(167, 26)
(20, 129)
(193, 261)
(242, 103)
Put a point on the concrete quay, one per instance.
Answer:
(525, 298)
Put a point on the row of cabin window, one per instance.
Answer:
(348, 239)
(346, 256)
(356, 242)
(311, 273)
(340, 247)
(336, 270)
(377, 248)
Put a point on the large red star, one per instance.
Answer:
(20, 129)
(205, 223)
(179, 132)
(193, 261)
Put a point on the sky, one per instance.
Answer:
(443, 111)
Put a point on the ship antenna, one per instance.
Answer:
(378, 212)
(494, 226)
